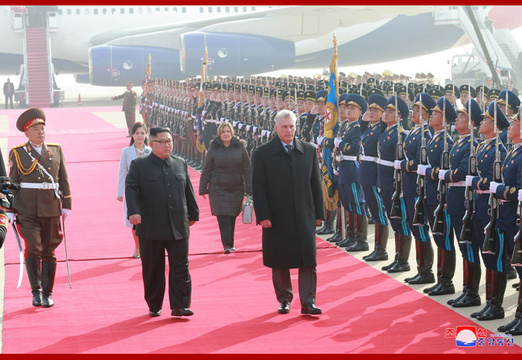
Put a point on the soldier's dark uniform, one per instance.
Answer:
(44, 192)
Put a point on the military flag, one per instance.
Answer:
(330, 127)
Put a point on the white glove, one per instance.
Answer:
(65, 213)
(469, 180)
(442, 173)
(11, 217)
(493, 186)
(421, 169)
(337, 141)
(319, 140)
(397, 164)
(519, 195)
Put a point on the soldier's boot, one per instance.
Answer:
(397, 251)
(439, 271)
(419, 260)
(447, 271)
(404, 253)
(489, 281)
(381, 240)
(361, 236)
(424, 264)
(34, 274)
(328, 227)
(48, 275)
(471, 296)
(350, 230)
(498, 288)
(515, 326)
(338, 236)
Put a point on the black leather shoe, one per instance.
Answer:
(480, 312)
(226, 251)
(515, 285)
(508, 326)
(182, 312)
(494, 312)
(378, 255)
(427, 278)
(310, 309)
(389, 266)
(358, 246)
(47, 300)
(451, 301)
(284, 307)
(399, 267)
(346, 242)
(325, 230)
(512, 273)
(467, 301)
(154, 313)
(37, 298)
(430, 288)
(370, 254)
(408, 279)
(516, 329)
(443, 289)
(371, 220)
(337, 237)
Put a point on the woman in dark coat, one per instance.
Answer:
(225, 177)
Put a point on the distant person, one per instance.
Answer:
(129, 105)
(225, 176)
(162, 205)
(9, 91)
(138, 147)
(288, 201)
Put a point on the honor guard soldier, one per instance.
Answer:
(455, 178)
(515, 326)
(452, 94)
(422, 109)
(44, 196)
(347, 148)
(443, 114)
(508, 103)
(482, 97)
(496, 278)
(389, 141)
(466, 92)
(368, 158)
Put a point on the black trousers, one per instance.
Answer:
(152, 254)
(8, 98)
(227, 226)
(307, 285)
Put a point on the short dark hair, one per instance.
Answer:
(158, 130)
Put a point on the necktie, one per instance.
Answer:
(288, 148)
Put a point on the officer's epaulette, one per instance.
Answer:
(19, 146)
(52, 144)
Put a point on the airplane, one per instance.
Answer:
(113, 43)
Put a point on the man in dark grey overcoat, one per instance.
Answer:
(288, 202)
(162, 205)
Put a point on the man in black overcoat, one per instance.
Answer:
(288, 201)
(129, 106)
(162, 205)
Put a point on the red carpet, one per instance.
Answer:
(365, 311)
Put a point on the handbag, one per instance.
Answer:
(248, 211)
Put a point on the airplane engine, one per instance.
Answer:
(114, 65)
(234, 54)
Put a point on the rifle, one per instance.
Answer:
(396, 210)
(439, 223)
(516, 257)
(467, 220)
(419, 216)
(488, 247)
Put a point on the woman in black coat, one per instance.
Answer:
(225, 177)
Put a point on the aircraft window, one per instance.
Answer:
(227, 9)
(78, 12)
(131, 10)
(95, 11)
(218, 9)
(60, 11)
(69, 11)
(236, 9)
(158, 9)
(201, 9)
(104, 11)
(244, 9)
(183, 10)
(253, 8)
(175, 9)
(209, 9)
(167, 9)
(122, 11)
(113, 11)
